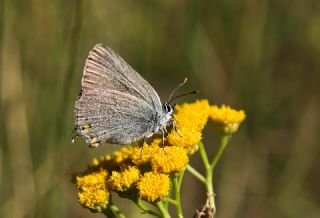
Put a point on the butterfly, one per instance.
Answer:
(116, 105)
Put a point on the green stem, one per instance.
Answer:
(181, 173)
(177, 184)
(204, 156)
(196, 173)
(113, 212)
(208, 179)
(144, 209)
(163, 210)
(210, 168)
(170, 200)
(223, 142)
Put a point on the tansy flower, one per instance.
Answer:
(170, 159)
(123, 155)
(121, 181)
(142, 155)
(226, 119)
(93, 192)
(191, 119)
(114, 161)
(153, 186)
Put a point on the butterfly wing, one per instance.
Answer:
(115, 105)
(114, 117)
(105, 69)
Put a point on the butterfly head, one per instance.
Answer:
(167, 108)
(167, 111)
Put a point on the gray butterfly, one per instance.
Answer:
(116, 105)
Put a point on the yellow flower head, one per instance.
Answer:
(114, 161)
(93, 192)
(121, 181)
(191, 119)
(153, 186)
(170, 159)
(123, 155)
(226, 119)
(142, 156)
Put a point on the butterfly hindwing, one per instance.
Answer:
(114, 117)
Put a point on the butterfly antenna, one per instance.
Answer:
(181, 84)
(188, 93)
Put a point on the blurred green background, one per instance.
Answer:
(256, 55)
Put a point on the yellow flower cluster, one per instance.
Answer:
(93, 192)
(146, 170)
(190, 119)
(138, 165)
(226, 119)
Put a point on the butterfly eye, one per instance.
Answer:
(169, 108)
(172, 108)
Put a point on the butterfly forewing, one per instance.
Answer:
(105, 69)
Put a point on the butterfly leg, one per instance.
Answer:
(162, 131)
(165, 129)
(174, 126)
